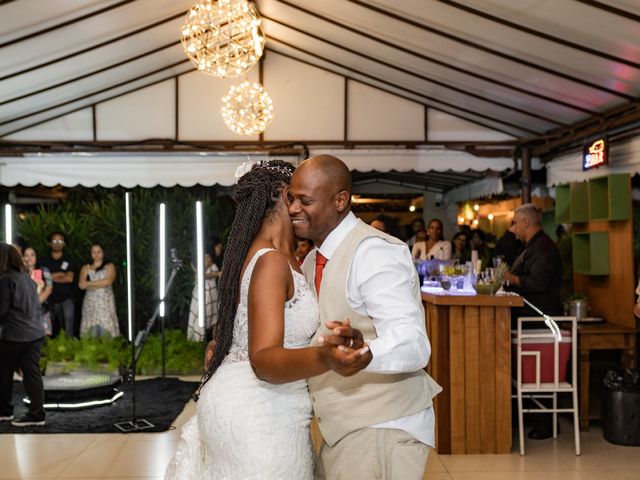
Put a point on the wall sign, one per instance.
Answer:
(595, 154)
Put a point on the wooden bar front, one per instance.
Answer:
(471, 359)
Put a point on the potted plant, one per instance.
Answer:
(578, 305)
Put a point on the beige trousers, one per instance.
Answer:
(373, 453)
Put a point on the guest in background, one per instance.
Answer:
(419, 249)
(508, 247)
(434, 245)
(636, 307)
(99, 306)
(416, 225)
(44, 286)
(460, 250)
(537, 272)
(536, 275)
(379, 224)
(477, 240)
(212, 272)
(21, 338)
(387, 224)
(303, 247)
(62, 272)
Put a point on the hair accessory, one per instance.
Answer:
(247, 166)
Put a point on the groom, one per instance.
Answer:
(378, 420)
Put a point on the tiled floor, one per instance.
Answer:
(144, 457)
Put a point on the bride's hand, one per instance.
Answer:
(346, 361)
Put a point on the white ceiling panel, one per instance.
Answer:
(522, 68)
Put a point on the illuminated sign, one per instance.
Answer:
(596, 154)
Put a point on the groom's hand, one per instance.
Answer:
(343, 334)
(345, 349)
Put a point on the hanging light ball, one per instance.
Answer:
(223, 37)
(247, 109)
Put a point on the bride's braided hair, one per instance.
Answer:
(256, 193)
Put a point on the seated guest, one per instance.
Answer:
(433, 246)
(536, 275)
(537, 272)
(21, 338)
(460, 250)
(416, 225)
(508, 247)
(44, 285)
(303, 247)
(99, 305)
(636, 307)
(477, 240)
(379, 224)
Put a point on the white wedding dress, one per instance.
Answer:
(245, 428)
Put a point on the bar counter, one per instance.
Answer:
(471, 359)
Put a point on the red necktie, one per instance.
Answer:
(321, 261)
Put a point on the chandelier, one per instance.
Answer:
(223, 37)
(247, 108)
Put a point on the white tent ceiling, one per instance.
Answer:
(521, 67)
(525, 68)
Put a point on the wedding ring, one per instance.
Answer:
(350, 342)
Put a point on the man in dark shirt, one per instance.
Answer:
(536, 275)
(62, 272)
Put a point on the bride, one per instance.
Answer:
(254, 409)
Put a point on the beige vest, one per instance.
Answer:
(345, 404)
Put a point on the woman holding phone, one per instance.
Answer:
(44, 285)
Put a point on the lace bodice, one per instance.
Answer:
(300, 315)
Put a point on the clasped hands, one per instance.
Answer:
(344, 349)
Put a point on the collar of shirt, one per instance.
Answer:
(337, 235)
(535, 237)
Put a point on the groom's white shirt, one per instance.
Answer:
(380, 286)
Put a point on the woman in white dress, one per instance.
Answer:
(434, 246)
(254, 409)
(99, 305)
(211, 275)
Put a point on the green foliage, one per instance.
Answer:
(182, 356)
(97, 215)
(86, 352)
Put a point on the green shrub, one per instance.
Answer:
(183, 357)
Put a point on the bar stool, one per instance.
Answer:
(537, 390)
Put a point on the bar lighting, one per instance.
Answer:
(70, 406)
(8, 224)
(200, 263)
(127, 209)
(162, 257)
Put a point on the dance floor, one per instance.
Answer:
(144, 456)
